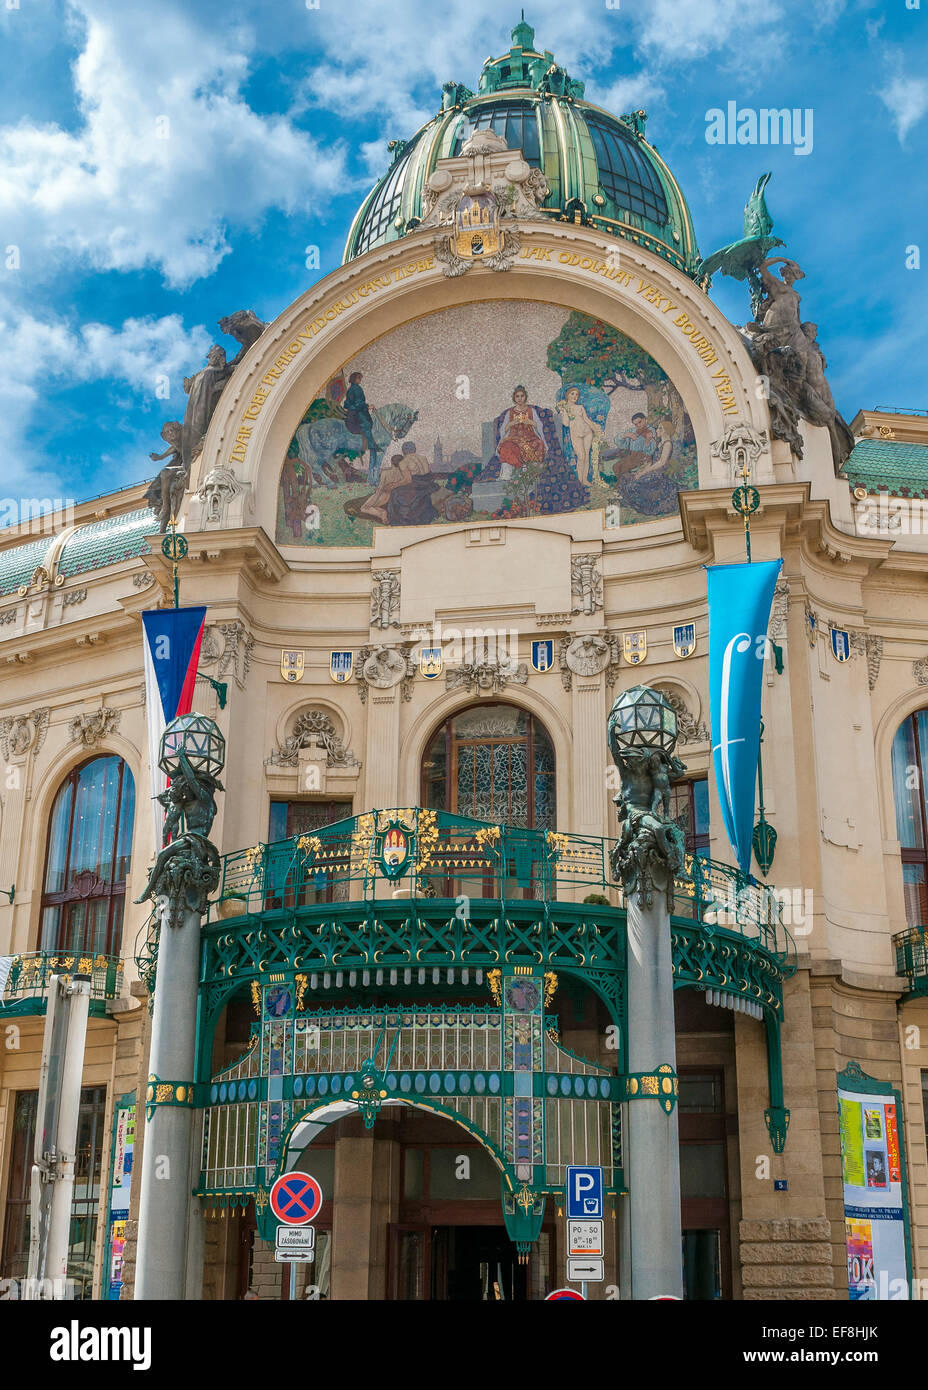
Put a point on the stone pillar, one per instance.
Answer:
(165, 1194)
(381, 759)
(186, 871)
(587, 714)
(652, 1141)
(366, 1190)
(642, 732)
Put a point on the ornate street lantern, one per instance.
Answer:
(199, 739)
(642, 718)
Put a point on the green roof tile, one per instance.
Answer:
(107, 542)
(19, 563)
(888, 465)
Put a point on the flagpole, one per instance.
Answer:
(745, 500)
(174, 548)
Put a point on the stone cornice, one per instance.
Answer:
(708, 515)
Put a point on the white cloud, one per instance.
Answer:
(166, 153)
(907, 99)
(36, 353)
(678, 29)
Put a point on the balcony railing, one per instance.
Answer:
(27, 984)
(911, 947)
(421, 854)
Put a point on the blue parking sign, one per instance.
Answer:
(585, 1192)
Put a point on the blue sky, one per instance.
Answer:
(163, 165)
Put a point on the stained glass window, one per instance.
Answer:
(89, 850)
(495, 763)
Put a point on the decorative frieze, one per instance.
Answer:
(869, 646)
(231, 645)
(73, 596)
(587, 655)
(21, 732)
(383, 668)
(313, 728)
(780, 608)
(586, 584)
(484, 677)
(385, 598)
(88, 729)
(740, 447)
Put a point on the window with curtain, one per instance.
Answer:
(87, 859)
(909, 749)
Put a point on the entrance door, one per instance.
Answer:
(458, 1264)
(704, 1186)
(476, 1264)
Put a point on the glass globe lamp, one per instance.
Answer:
(642, 718)
(200, 740)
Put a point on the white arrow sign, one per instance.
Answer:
(296, 1244)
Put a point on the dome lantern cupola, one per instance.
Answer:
(600, 168)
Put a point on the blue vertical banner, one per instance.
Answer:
(740, 598)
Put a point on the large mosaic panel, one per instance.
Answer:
(492, 410)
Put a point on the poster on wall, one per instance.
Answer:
(874, 1193)
(120, 1191)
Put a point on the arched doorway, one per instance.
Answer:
(415, 1213)
(494, 763)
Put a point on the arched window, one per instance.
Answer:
(910, 752)
(87, 859)
(495, 763)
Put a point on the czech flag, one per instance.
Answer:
(172, 651)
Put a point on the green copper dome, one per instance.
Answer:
(600, 169)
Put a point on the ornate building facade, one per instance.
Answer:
(444, 509)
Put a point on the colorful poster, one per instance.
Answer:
(874, 1212)
(852, 1143)
(892, 1145)
(859, 1258)
(120, 1189)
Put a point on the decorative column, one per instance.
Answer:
(185, 873)
(642, 732)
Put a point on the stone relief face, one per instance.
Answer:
(588, 655)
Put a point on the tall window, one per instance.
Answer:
(689, 807)
(86, 1198)
(495, 763)
(87, 859)
(910, 747)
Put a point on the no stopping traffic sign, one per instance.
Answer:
(296, 1199)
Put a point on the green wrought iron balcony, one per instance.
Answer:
(911, 947)
(26, 989)
(424, 854)
(415, 888)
